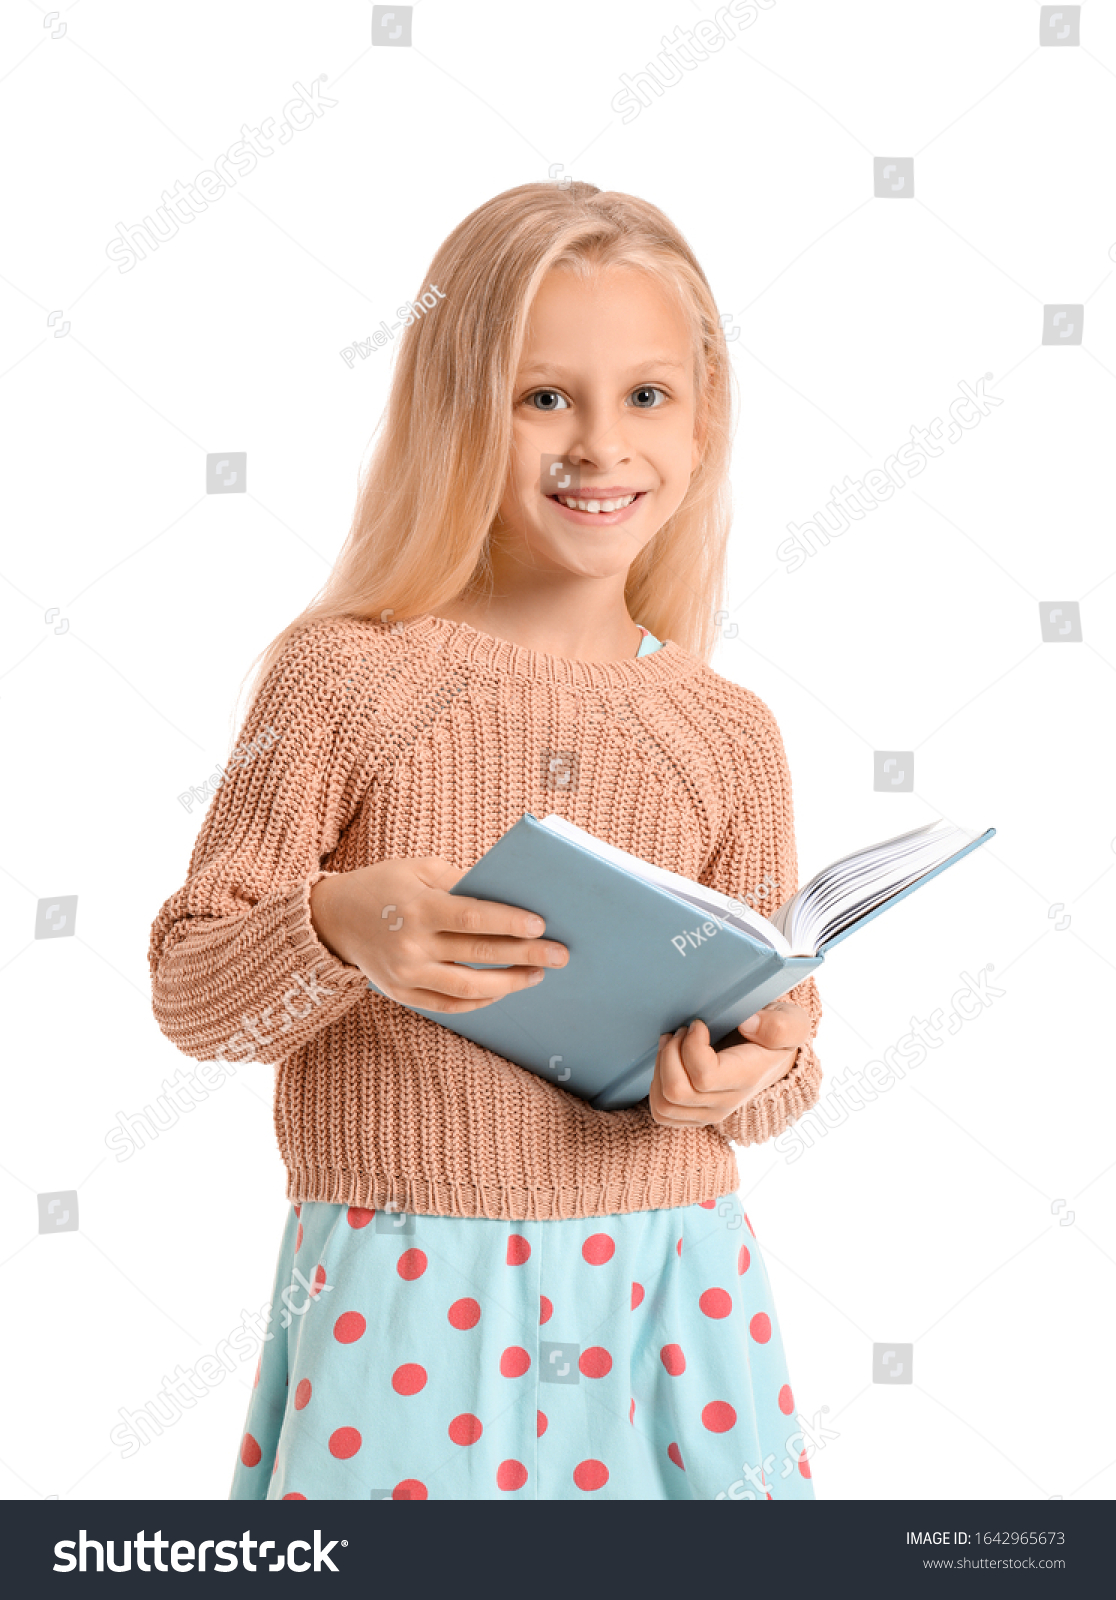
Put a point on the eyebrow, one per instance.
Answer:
(640, 366)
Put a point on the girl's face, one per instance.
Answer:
(604, 411)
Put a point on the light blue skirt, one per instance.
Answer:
(627, 1357)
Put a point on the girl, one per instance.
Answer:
(489, 1288)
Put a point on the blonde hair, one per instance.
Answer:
(430, 495)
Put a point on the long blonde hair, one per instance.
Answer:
(420, 533)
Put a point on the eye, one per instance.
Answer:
(554, 400)
(643, 392)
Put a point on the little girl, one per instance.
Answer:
(489, 1289)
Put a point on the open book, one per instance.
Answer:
(649, 949)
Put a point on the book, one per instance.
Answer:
(649, 949)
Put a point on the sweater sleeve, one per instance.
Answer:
(237, 970)
(757, 857)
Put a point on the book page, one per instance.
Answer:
(845, 892)
(715, 905)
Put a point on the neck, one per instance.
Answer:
(584, 620)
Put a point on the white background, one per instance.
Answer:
(930, 1216)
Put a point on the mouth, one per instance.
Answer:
(590, 507)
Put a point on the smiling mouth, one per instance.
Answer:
(590, 505)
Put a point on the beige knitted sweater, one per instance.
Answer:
(372, 741)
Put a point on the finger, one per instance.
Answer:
(462, 914)
(675, 1087)
(664, 1112)
(684, 1092)
(456, 993)
(691, 1077)
(497, 950)
(698, 1115)
(779, 1026)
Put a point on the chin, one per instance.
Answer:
(586, 565)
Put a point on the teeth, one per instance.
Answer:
(596, 505)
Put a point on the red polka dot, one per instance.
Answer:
(786, 1400)
(674, 1453)
(344, 1442)
(707, 1205)
(751, 1230)
(519, 1249)
(716, 1302)
(259, 1363)
(298, 1239)
(760, 1327)
(673, 1360)
(411, 1265)
(546, 1309)
(250, 1452)
(597, 1249)
(511, 1475)
(514, 1361)
(319, 1279)
(302, 1395)
(275, 1466)
(409, 1489)
(679, 1247)
(595, 1362)
(541, 1423)
(464, 1314)
(718, 1416)
(294, 1497)
(358, 1216)
(349, 1327)
(409, 1378)
(743, 1260)
(804, 1466)
(298, 1211)
(590, 1474)
(631, 1412)
(465, 1429)
(637, 1295)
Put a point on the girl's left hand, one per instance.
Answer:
(695, 1085)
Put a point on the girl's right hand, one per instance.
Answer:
(398, 923)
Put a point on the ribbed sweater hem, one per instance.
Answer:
(461, 1198)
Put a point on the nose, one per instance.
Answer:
(599, 437)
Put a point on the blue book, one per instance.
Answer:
(649, 949)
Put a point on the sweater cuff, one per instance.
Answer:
(311, 953)
(770, 1113)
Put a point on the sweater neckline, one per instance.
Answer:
(460, 641)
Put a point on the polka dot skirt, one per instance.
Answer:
(626, 1357)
